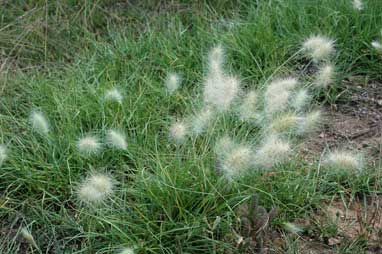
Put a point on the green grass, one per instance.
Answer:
(167, 197)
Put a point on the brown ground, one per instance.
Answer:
(355, 122)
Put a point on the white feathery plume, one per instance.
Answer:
(343, 160)
(272, 152)
(28, 236)
(216, 60)
(178, 132)
(325, 76)
(114, 95)
(310, 122)
(292, 228)
(318, 47)
(89, 145)
(220, 90)
(358, 5)
(127, 250)
(116, 139)
(3, 154)
(202, 120)
(39, 122)
(96, 188)
(377, 45)
(285, 122)
(277, 95)
(224, 146)
(172, 82)
(301, 99)
(237, 161)
(247, 109)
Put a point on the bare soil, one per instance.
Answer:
(354, 122)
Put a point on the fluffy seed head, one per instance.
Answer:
(224, 146)
(285, 122)
(95, 188)
(28, 236)
(216, 60)
(220, 91)
(116, 139)
(114, 95)
(358, 5)
(3, 154)
(127, 250)
(343, 160)
(377, 45)
(89, 145)
(310, 122)
(324, 76)
(301, 99)
(318, 47)
(272, 152)
(292, 228)
(247, 110)
(172, 82)
(202, 120)
(237, 161)
(178, 132)
(39, 122)
(277, 95)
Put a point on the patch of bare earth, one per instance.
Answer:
(355, 122)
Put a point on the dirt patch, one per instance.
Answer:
(354, 122)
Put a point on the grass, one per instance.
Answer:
(167, 197)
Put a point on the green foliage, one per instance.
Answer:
(167, 198)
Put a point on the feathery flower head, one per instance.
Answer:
(89, 145)
(343, 160)
(310, 122)
(114, 95)
(277, 94)
(271, 152)
(292, 228)
(172, 82)
(28, 236)
(237, 161)
(220, 91)
(96, 188)
(3, 154)
(301, 99)
(224, 146)
(116, 139)
(178, 131)
(127, 250)
(358, 5)
(247, 110)
(285, 122)
(202, 120)
(39, 122)
(216, 60)
(324, 76)
(318, 47)
(377, 45)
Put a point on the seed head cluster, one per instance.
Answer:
(116, 139)
(89, 145)
(39, 123)
(114, 95)
(172, 82)
(96, 188)
(318, 47)
(3, 154)
(341, 159)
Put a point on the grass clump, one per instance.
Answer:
(131, 161)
